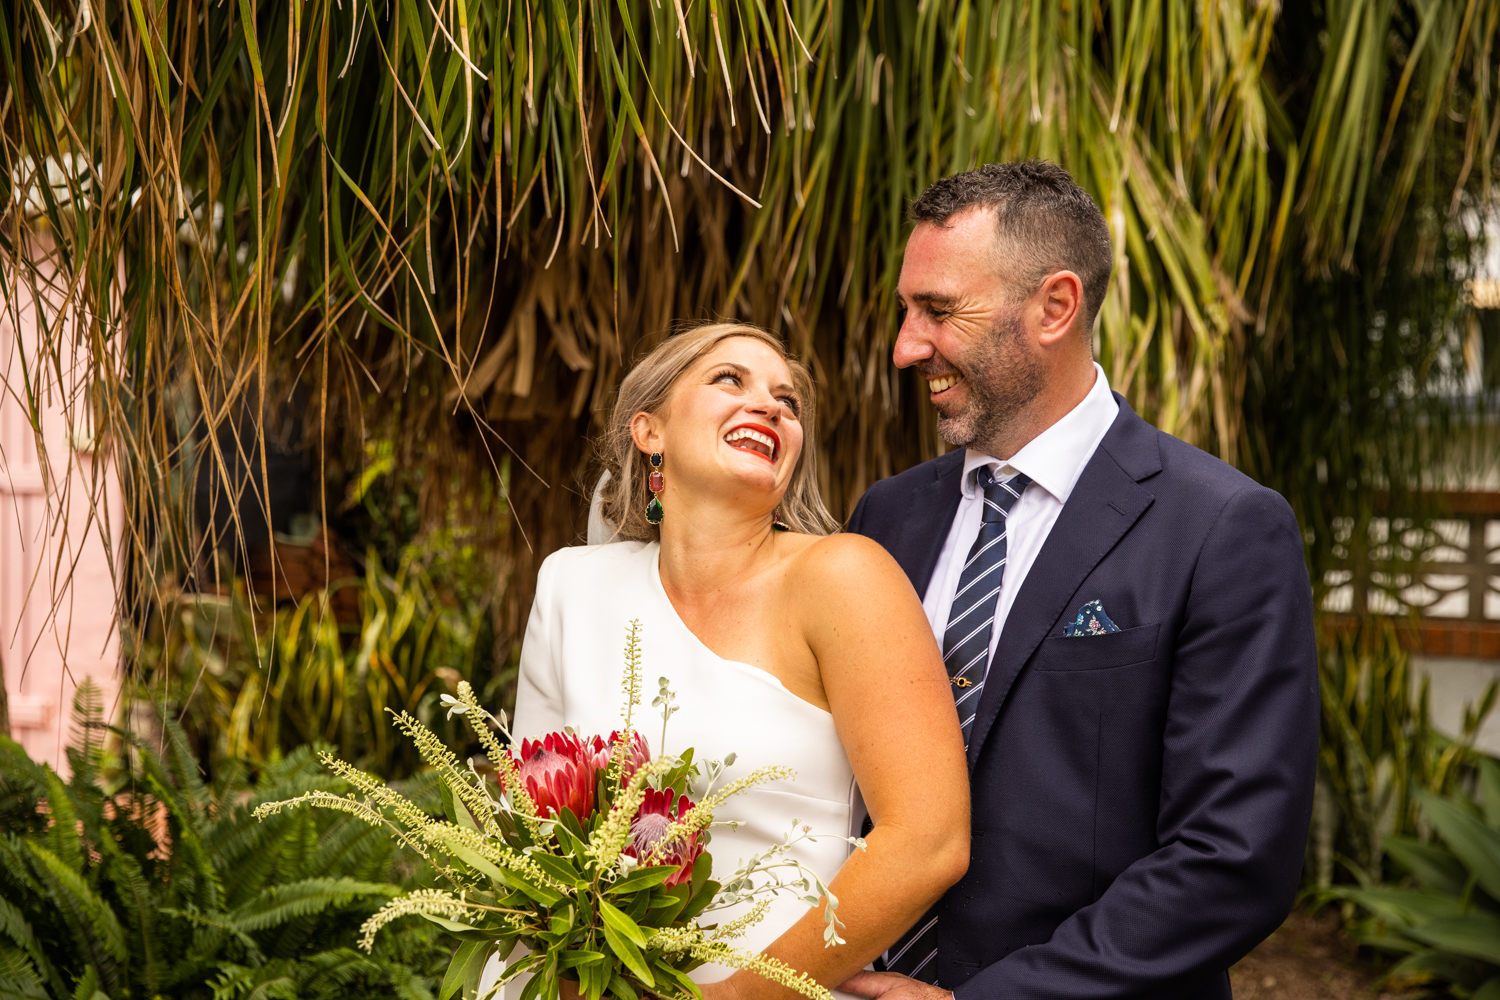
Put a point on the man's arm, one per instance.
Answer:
(1239, 757)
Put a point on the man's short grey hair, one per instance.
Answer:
(1046, 223)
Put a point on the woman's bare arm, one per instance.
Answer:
(889, 695)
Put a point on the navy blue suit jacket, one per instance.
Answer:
(1141, 799)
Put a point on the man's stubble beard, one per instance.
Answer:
(1003, 377)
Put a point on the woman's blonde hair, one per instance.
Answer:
(647, 389)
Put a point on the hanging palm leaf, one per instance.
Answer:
(453, 224)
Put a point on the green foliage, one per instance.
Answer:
(1378, 752)
(1446, 920)
(254, 682)
(136, 878)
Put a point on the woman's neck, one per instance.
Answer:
(708, 545)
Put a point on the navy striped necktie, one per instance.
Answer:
(966, 654)
(971, 618)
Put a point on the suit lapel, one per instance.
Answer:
(1105, 504)
(928, 520)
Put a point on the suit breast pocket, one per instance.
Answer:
(1098, 652)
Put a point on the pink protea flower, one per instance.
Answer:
(637, 753)
(561, 770)
(658, 812)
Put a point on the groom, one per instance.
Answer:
(1126, 621)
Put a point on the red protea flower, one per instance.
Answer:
(558, 770)
(561, 769)
(658, 812)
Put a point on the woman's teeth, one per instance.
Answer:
(937, 385)
(751, 439)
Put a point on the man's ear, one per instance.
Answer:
(643, 431)
(1059, 302)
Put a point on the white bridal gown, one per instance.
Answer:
(572, 665)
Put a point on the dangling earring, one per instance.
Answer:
(655, 483)
(777, 524)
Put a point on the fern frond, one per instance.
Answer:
(14, 925)
(62, 834)
(190, 862)
(279, 904)
(96, 931)
(347, 848)
(18, 977)
(124, 873)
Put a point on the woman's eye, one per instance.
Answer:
(792, 404)
(727, 376)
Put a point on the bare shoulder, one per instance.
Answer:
(836, 562)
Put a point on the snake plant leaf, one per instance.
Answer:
(1433, 867)
(1490, 990)
(1476, 845)
(1489, 791)
(1475, 934)
(1405, 908)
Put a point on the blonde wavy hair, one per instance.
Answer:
(648, 388)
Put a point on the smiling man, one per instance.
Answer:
(1126, 622)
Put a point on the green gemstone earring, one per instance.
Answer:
(655, 483)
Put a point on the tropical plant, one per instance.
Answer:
(453, 224)
(134, 878)
(1378, 752)
(1447, 923)
(252, 680)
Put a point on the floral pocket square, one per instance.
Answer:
(1091, 620)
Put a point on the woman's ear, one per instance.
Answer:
(644, 433)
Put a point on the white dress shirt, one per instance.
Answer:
(1054, 460)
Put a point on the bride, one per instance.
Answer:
(783, 642)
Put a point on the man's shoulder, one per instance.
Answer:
(1191, 475)
(886, 502)
(917, 477)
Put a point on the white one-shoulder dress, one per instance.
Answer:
(572, 664)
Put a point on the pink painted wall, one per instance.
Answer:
(58, 505)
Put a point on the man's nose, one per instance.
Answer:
(912, 344)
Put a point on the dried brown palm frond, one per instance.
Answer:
(451, 225)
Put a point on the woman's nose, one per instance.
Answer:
(765, 405)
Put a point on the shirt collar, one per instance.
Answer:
(1055, 458)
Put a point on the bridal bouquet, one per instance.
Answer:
(586, 851)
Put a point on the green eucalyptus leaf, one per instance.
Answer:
(463, 932)
(559, 869)
(615, 919)
(642, 878)
(458, 968)
(700, 901)
(622, 990)
(702, 869)
(626, 951)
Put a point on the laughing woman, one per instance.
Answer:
(785, 643)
